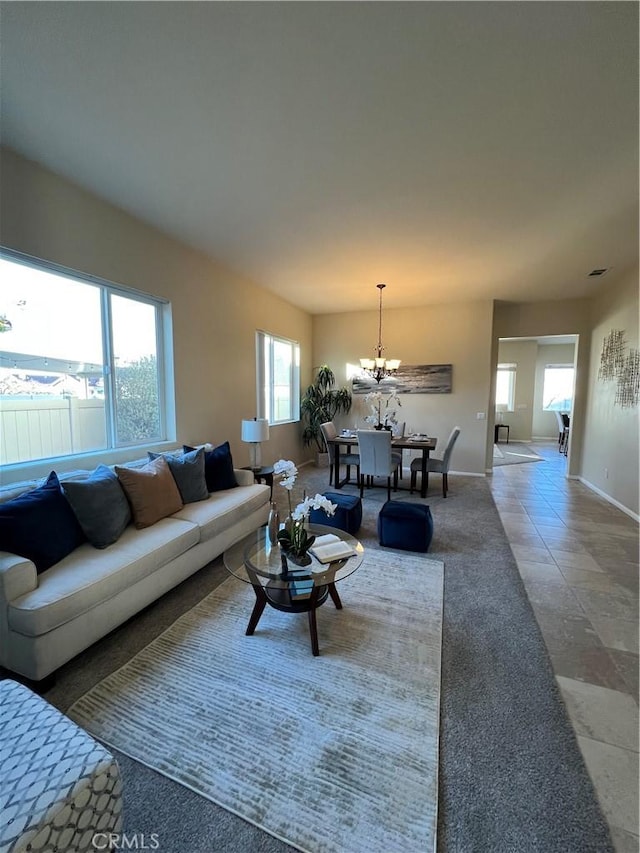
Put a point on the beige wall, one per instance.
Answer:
(523, 354)
(215, 312)
(458, 334)
(610, 456)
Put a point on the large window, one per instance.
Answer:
(506, 387)
(81, 364)
(278, 378)
(557, 393)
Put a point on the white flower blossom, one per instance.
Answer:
(321, 502)
(303, 509)
(379, 404)
(288, 471)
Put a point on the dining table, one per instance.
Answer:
(417, 441)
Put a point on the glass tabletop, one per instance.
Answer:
(256, 561)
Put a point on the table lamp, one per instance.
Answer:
(253, 432)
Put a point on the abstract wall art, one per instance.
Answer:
(621, 367)
(628, 389)
(612, 355)
(410, 379)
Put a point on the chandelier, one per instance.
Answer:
(379, 367)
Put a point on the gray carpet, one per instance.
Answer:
(511, 775)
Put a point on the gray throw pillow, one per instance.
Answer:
(188, 472)
(100, 505)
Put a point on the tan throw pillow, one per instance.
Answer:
(151, 491)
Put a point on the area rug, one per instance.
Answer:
(515, 455)
(332, 753)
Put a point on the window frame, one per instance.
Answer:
(265, 386)
(164, 366)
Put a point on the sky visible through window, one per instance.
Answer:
(558, 388)
(53, 316)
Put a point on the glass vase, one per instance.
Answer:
(273, 523)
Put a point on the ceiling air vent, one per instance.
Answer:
(597, 272)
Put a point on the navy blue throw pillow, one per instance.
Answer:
(218, 467)
(40, 525)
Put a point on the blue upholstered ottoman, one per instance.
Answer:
(347, 517)
(405, 525)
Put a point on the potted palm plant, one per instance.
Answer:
(320, 403)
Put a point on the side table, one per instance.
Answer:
(265, 473)
(496, 432)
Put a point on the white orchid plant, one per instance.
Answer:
(294, 537)
(380, 405)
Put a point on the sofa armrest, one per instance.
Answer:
(244, 477)
(17, 576)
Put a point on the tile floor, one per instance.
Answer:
(578, 557)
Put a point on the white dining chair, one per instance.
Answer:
(376, 458)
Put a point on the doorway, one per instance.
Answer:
(535, 382)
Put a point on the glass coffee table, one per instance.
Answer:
(297, 589)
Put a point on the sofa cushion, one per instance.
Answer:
(188, 472)
(151, 490)
(218, 467)
(40, 525)
(100, 505)
(223, 509)
(88, 577)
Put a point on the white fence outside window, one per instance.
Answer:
(38, 429)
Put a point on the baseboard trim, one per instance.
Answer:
(608, 498)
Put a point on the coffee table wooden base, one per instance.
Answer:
(280, 599)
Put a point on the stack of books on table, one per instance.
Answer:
(329, 547)
(300, 589)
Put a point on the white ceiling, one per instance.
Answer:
(454, 150)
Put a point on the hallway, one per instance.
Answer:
(578, 558)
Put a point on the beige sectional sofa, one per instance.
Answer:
(48, 618)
